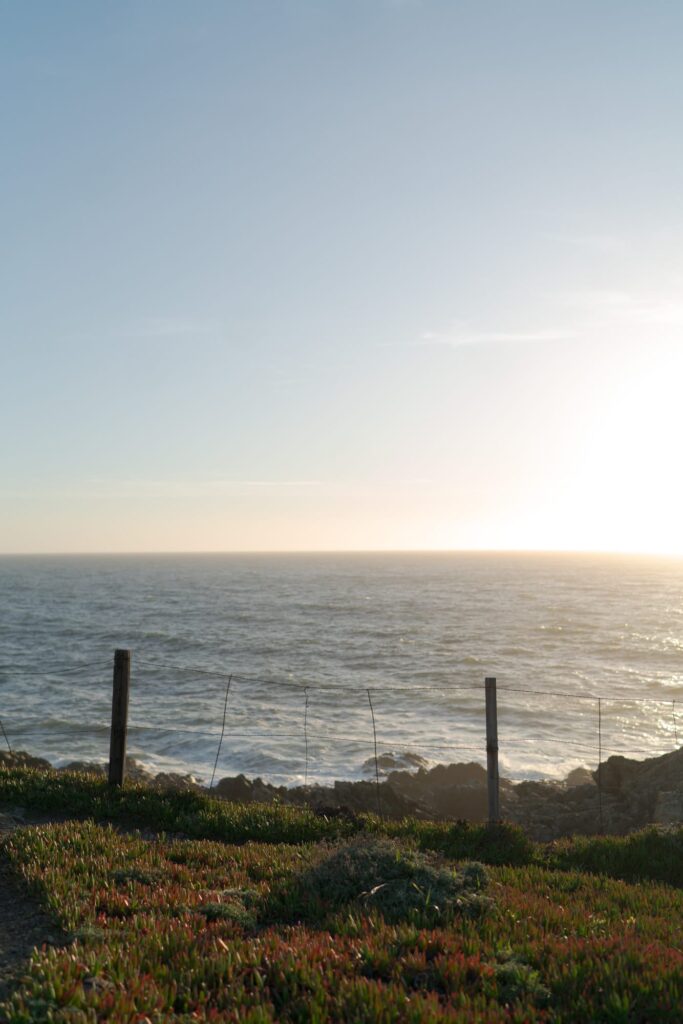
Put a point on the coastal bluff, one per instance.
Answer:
(619, 797)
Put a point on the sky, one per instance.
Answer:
(343, 274)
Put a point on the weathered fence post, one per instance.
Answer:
(119, 718)
(492, 750)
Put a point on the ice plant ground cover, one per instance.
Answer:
(369, 928)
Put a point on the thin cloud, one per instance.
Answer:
(602, 306)
(167, 327)
(588, 314)
(605, 243)
(184, 488)
(458, 338)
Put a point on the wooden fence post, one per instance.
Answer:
(119, 718)
(492, 750)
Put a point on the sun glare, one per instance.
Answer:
(629, 494)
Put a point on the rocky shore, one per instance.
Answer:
(621, 796)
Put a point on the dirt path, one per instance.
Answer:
(23, 923)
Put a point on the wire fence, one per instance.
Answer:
(302, 732)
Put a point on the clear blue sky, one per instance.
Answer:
(375, 274)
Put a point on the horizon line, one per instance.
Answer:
(344, 551)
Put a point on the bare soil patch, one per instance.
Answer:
(24, 925)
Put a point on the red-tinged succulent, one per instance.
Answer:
(189, 931)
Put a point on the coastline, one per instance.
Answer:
(624, 795)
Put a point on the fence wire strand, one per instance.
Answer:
(600, 763)
(306, 734)
(220, 742)
(319, 694)
(374, 733)
(673, 712)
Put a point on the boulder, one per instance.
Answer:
(622, 774)
(85, 767)
(392, 760)
(175, 782)
(240, 789)
(637, 785)
(668, 808)
(20, 759)
(446, 791)
(469, 802)
(579, 777)
(264, 793)
(617, 774)
(446, 775)
(661, 773)
(363, 796)
(136, 772)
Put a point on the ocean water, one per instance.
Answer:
(305, 637)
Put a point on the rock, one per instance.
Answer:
(392, 761)
(631, 794)
(445, 791)
(20, 759)
(263, 792)
(579, 777)
(622, 775)
(637, 785)
(316, 797)
(84, 767)
(363, 796)
(444, 775)
(136, 772)
(461, 802)
(668, 809)
(411, 785)
(175, 782)
(616, 774)
(538, 790)
(661, 773)
(240, 789)
(237, 789)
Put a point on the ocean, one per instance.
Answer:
(587, 651)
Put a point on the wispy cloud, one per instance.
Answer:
(98, 489)
(601, 306)
(195, 488)
(600, 243)
(458, 337)
(167, 327)
(588, 314)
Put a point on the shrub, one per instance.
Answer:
(651, 854)
(399, 882)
